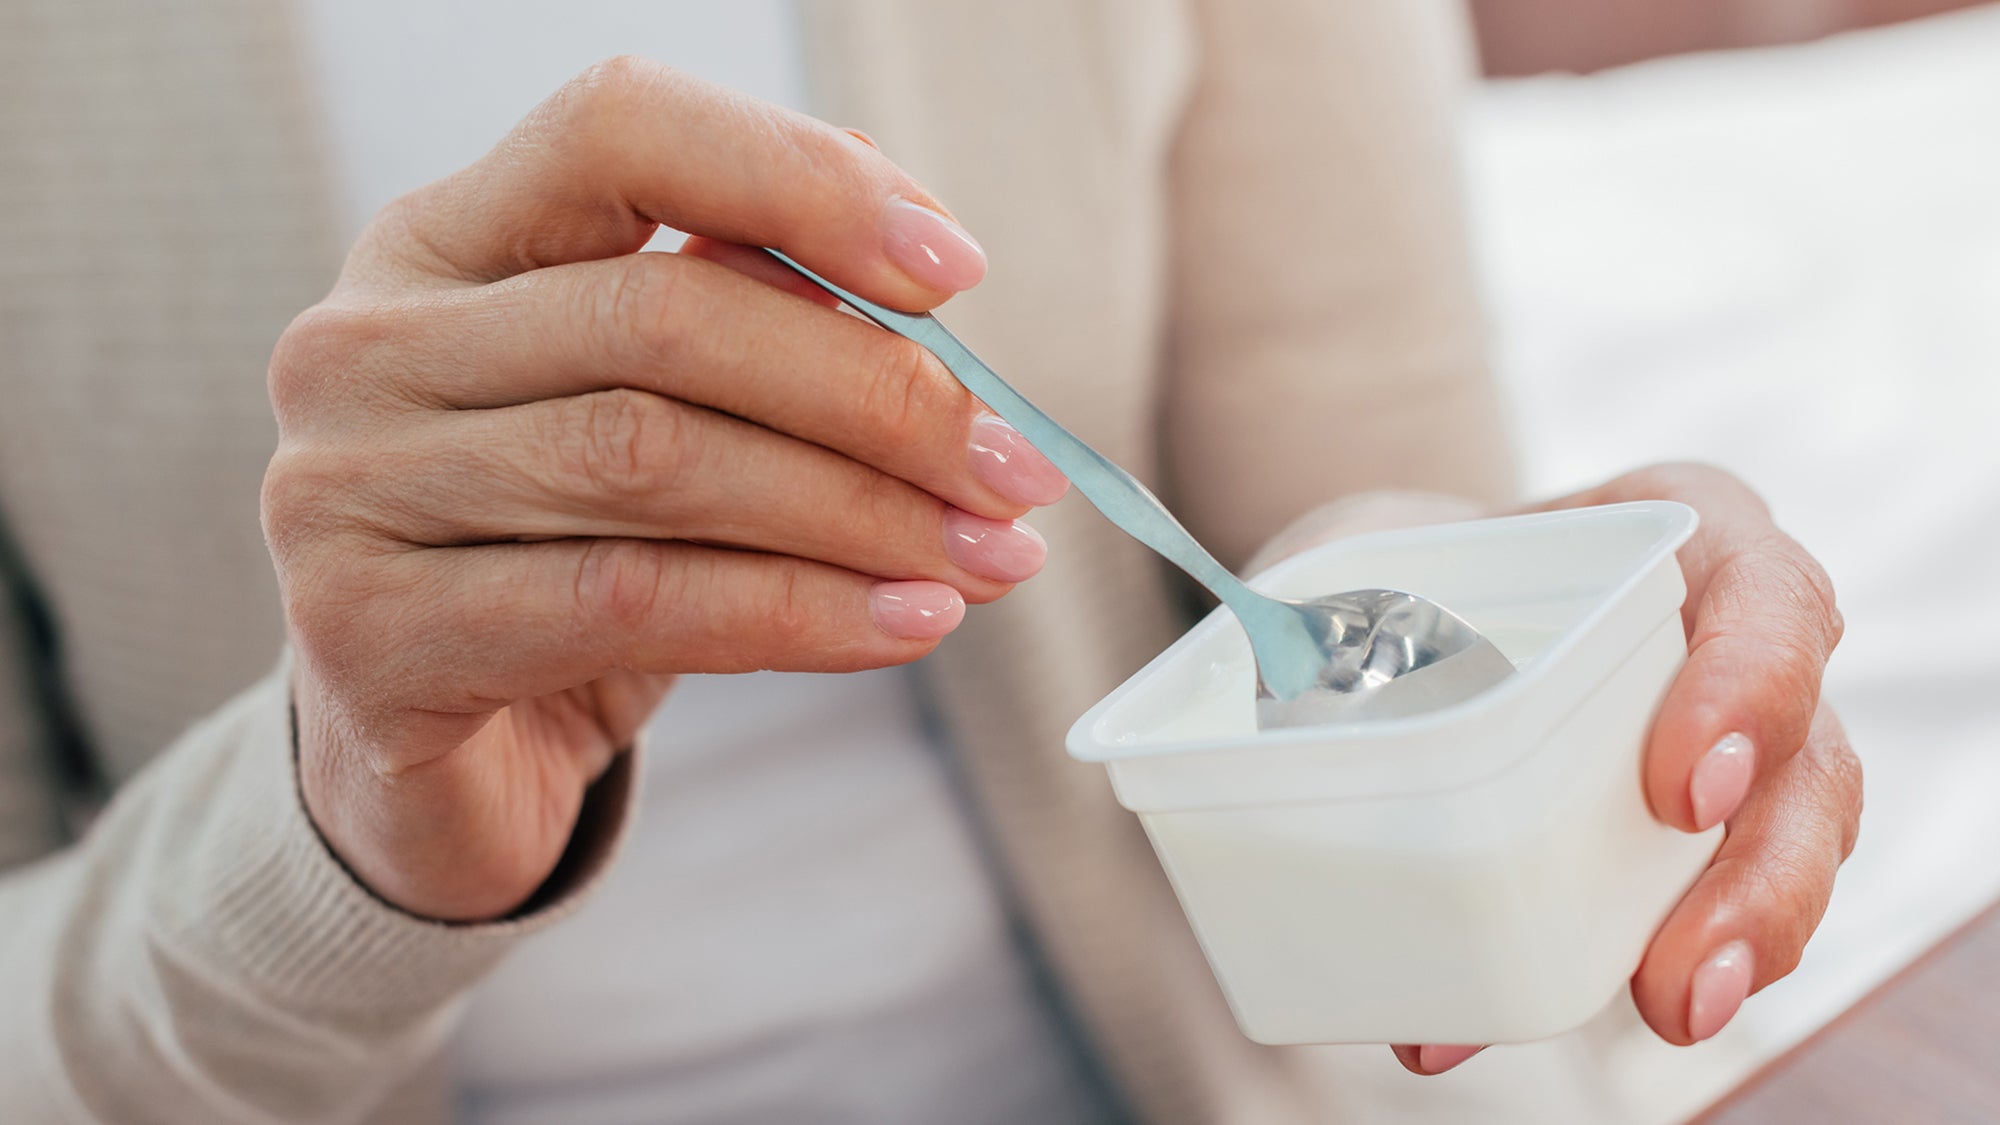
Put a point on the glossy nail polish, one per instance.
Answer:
(932, 249)
(1720, 986)
(916, 611)
(1721, 780)
(1436, 1058)
(1003, 550)
(1011, 467)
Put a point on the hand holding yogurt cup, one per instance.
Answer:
(1742, 739)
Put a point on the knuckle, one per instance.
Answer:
(776, 617)
(319, 341)
(905, 397)
(1772, 629)
(789, 613)
(1781, 877)
(299, 498)
(828, 152)
(280, 501)
(333, 570)
(608, 91)
(619, 583)
(638, 303)
(1849, 783)
(1804, 584)
(1792, 671)
(1783, 892)
(397, 233)
(344, 353)
(1783, 594)
(1838, 780)
(403, 213)
(893, 512)
(618, 444)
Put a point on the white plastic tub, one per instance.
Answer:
(1487, 873)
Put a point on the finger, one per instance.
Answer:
(631, 144)
(1761, 622)
(1731, 514)
(753, 262)
(477, 628)
(627, 464)
(1764, 625)
(1745, 923)
(1432, 1058)
(693, 331)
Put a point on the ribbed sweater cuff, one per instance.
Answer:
(275, 907)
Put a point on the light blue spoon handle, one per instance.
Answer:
(1117, 493)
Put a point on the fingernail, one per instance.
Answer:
(1011, 467)
(916, 611)
(863, 138)
(1433, 1058)
(931, 248)
(1721, 780)
(1005, 550)
(1720, 986)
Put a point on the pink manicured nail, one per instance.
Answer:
(1011, 467)
(1005, 550)
(1720, 986)
(1721, 780)
(916, 611)
(931, 248)
(1433, 1058)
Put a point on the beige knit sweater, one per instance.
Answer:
(1226, 247)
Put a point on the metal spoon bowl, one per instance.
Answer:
(1360, 655)
(1386, 654)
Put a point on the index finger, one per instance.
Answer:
(632, 144)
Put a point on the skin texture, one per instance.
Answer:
(527, 474)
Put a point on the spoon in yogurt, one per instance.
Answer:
(1343, 658)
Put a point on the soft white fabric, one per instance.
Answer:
(801, 927)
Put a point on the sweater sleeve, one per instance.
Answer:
(1326, 336)
(202, 956)
(30, 810)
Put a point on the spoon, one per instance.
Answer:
(1364, 654)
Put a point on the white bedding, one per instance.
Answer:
(1787, 262)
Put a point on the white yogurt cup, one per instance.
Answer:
(1487, 873)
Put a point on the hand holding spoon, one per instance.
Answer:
(1363, 654)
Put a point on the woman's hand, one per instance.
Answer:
(1742, 738)
(526, 474)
